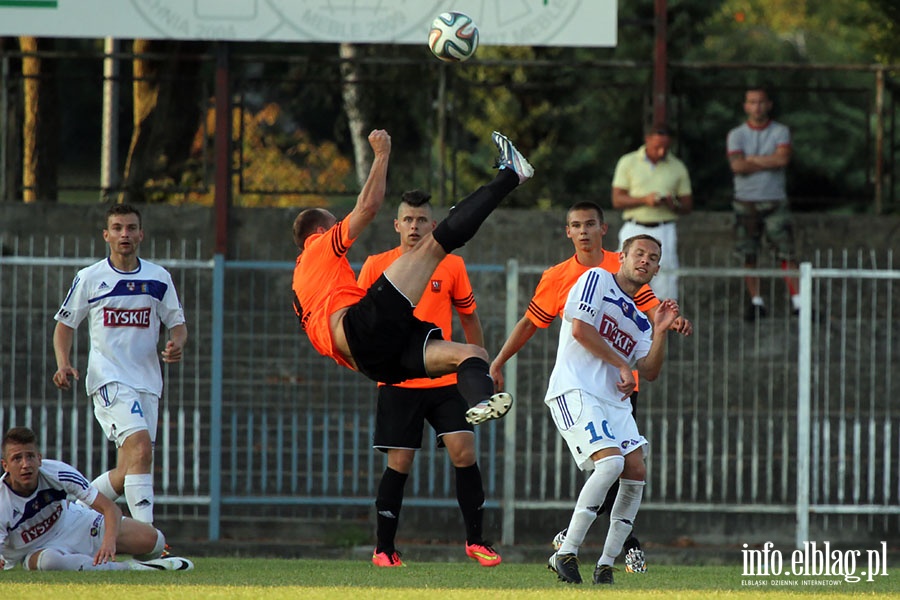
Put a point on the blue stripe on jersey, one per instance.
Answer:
(71, 290)
(74, 477)
(567, 419)
(42, 500)
(590, 286)
(136, 287)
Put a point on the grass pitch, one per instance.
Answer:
(276, 579)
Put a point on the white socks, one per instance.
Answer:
(102, 483)
(52, 559)
(757, 301)
(157, 549)
(139, 494)
(621, 518)
(606, 471)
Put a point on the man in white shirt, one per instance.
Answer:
(125, 299)
(603, 336)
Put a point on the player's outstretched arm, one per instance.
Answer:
(371, 197)
(520, 334)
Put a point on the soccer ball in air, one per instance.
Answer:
(453, 37)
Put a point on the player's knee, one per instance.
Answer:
(473, 351)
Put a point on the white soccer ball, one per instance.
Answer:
(453, 37)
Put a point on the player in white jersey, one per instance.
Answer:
(41, 529)
(125, 299)
(602, 337)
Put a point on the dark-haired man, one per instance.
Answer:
(125, 299)
(403, 408)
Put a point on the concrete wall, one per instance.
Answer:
(534, 237)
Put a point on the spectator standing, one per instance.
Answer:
(759, 151)
(652, 188)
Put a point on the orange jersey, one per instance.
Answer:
(549, 298)
(448, 288)
(324, 283)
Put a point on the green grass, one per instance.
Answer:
(276, 579)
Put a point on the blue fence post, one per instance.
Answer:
(215, 400)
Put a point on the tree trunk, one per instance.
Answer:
(40, 156)
(11, 137)
(167, 112)
(356, 122)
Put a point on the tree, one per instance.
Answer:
(167, 109)
(40, 129)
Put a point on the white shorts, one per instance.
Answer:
(589, 424)
(121, 410)
(80, 533)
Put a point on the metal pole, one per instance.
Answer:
(508, 506)
(222, 148)
(222, 202)
(109, 160)
(879, 140)
(804, 381)
(4, 123)
(442, 133)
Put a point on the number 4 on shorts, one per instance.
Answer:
(136, 409)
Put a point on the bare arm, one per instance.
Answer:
(113, 518)
(471, 326)
(520, 334)
(621, 199)
(62, 348)
(778, 160)
(679, 325)
(175, 344)
(371, 197)
(740, 165)
(650, 365)
(588, 336)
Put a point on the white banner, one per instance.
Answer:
(500, 22)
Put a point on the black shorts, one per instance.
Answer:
(386, 341)
(401, 414)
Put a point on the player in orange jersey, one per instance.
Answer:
(374, 331)
(585, 227)
(403, 408)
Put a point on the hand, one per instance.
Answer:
(380, 141)
(497, 376)
(627, 383)
(172, 353)
(683, 326)
(651, 199)
(105, 554)
(670, 202)
(61, 377)
(665, 315)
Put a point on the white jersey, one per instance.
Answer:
(125, 311)
(34, 522)
(596, 298)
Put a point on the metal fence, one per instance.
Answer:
(782, 415)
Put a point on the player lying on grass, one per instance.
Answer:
(41, 529)
(374, 331)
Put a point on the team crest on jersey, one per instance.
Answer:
(436, 286)
(130, 286)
